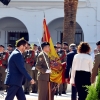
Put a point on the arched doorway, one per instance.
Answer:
(56, 31)
(12, 29)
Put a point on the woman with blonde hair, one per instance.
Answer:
(82, 69)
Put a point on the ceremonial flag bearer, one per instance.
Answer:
(42, 65)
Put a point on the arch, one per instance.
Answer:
(12, 26)
(19, 19)
(56, 30)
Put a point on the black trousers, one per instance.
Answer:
(74, 93)
(13, 91)
(82, 79)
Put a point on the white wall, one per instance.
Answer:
(2, 37)
(33, 19)
(56, 27)
(27, 18)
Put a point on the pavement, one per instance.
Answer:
(34, 96)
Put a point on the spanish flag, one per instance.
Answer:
(56, 76)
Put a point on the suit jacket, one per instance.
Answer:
(41, 66)
(69, 62)
(95, 68)
(16, 71)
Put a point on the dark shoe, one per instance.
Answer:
(5, 90)
(59, 94)
(63, 92)
(26, 92)
(34, 92)
(56, 93)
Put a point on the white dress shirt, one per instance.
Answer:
(19, 51)
(81, 62)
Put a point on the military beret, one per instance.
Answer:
(55, 47)
(65, 43)
(9, 45)
(35, 45)
(98, 43)
(58, 42)
(44, 44)
(2, 46)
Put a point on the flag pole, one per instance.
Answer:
(49, 81)
(48, 68)
(44, 14)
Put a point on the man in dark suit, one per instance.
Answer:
(69, 62)
(16, 72)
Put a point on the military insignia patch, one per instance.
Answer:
(40, 59)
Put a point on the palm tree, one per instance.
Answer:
(70, 10)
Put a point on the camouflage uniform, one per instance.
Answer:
(62, 87)
(29, 62)
(3, 65)
(34, 75)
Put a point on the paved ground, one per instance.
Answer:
(35, 97)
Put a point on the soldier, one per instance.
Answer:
(62, 55)
(55, 48)
(35, 47)
(34, 71)
(96, 64)
(39, 49)
(29, 62)
(10, 48)
(3, 65)
(43, 65)
(65, 47)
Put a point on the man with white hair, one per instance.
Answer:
(69, 62)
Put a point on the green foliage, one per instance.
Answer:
(92, 93)
(94, 90)
(98, 85)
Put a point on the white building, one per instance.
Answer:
(24, 18)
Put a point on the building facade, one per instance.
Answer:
(24, 18)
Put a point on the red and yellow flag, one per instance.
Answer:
(58, 75)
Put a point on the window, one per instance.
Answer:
(13, 36)
(78, 38)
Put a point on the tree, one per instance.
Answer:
(70, 10)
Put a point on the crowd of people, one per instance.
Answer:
(30, 56)
(30, 67)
